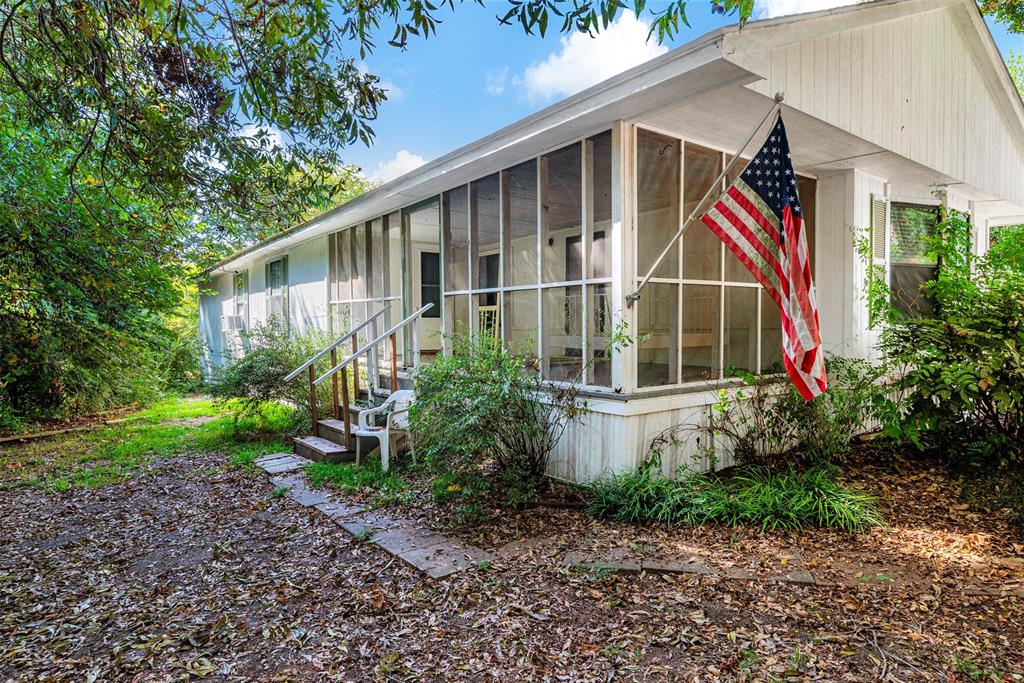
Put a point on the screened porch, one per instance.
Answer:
(538, 255)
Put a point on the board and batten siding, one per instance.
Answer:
(912, 85)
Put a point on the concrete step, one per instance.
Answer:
(321, 450)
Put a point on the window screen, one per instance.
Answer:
(911, 264)
(430, 282)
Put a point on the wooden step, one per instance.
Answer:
(321, 450)
(334, 430)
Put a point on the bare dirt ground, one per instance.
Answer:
(193, 571)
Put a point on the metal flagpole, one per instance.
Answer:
(715, 187)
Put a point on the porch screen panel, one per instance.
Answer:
(343, 244)
(456, 312)
(702, 250)
(657, 197)
(658, 330)
(521, 321)
(521, 257)
(600, 208)
(700, 332)
(358, 262)
(485, 212)
(599, 331)
(771, 336)
(375, 253)
(561, 215)
(563, 332)
(740, 330)
(455, 232)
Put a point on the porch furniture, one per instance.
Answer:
(395, 432)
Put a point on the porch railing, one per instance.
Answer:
(332, 349)
(342, 410)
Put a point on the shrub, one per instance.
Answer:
(250, 381)
(962, 368)
(481, 405)
(768, 423)
(768, 499)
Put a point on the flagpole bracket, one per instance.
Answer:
(632, 297)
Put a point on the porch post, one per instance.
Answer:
(622, 245)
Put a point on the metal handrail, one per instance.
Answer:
(372, 344)
(348, 335)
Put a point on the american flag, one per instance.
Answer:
(759, 219)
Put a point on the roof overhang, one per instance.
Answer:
(682, 74)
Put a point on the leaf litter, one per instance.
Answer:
(191, 572)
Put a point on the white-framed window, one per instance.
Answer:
(240, 294)
(911, 265)
(702, 315)
(276, 277)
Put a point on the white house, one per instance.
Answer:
(538, 231)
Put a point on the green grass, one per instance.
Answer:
(349, 478)
(770, 500)
(120, 451)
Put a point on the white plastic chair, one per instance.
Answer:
(394, 432)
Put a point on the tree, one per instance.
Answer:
(1009, 12)
(1015, 63)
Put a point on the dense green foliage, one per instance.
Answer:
(962, 369)
(481, 406)
(759, 497)
(250, 379)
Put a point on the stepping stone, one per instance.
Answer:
(265, 461)
(405, 539)
(618, 560)
(299, 491)
(445, 559)
(289, 464)
(739, 574)
(803, 577)
(338, 511)
(542, 547)
(671, 566)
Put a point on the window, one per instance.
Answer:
(430, 282)
(910, 264)
(703, 315)
(277, 289)
(241, 296)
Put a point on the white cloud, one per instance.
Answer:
(393, 92)
(400, 164)
(494, 81)
(768, 9)
(585, 60)
(271, 136)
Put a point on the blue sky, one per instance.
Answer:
(476, 76)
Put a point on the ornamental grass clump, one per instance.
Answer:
(760, 497)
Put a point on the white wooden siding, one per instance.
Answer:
(308, 285)
(911, 85)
